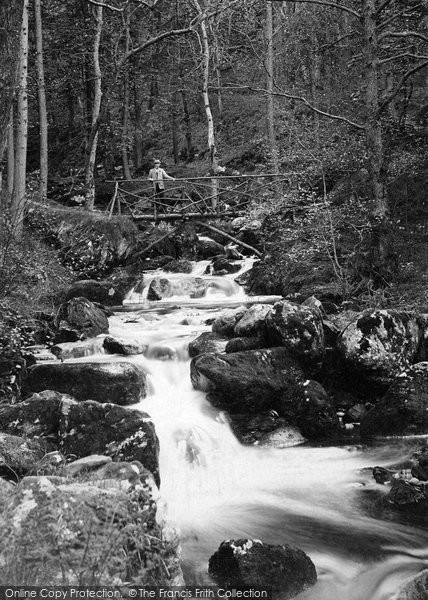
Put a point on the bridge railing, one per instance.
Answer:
(193, 197)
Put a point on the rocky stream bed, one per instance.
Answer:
(199, 435)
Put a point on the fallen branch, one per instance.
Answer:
(228, 236)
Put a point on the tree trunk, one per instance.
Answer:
(174, 126)
(91, 151)
(10, 155)
(374, 140)
(126, 93)
(18, 195)
(187, 124)
(43, 117)
(210, 121)
(270, 108)
(10, 19)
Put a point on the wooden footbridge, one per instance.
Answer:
(197, 198)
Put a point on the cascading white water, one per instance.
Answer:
(317, 498)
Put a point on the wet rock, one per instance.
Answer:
(123, 346)
(267, 429)
(250, 381)
(161, 288)
(242, 344)
(239, 563)
(207, 342)
(379, 344)
(69, 350)
(88, 428)
(118, 382)
(88, 463)
(355, 414)
(157, 262)
(207, 248)
(79, 319)
(299, 329)
(253, 322)
(382, 475)
(314, 415)
(225, 323)
(63, 528)
(403, 409)
(222, 266)
(179, 266)
(35, 417)
(109, 293)
(408, 495)
(127, 473)
(18, 456)
(416, 589)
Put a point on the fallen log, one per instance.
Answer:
(229, 237)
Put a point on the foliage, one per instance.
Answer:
(88, 244)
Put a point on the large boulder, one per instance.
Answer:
(207, 248)
(253, 321)
(161, 288)
(179, 266)
(416, 589)
(35, 417)
(79, 319)
(242, 344)
(222, 266)
(403, 410)
(248, 382)
(124, 346)
(81, 349)
(225, 323)
(251, 563)
(60, 532)
(117, 382)
(87, 428)
(299, 329)
(207, 342)
(267, 429)
(109, 293)
(379, 344)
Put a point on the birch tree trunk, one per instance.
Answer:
(18, 195)
(10, 154)
(270, 108)
(205, 95)
(43, 117)
(91, 151)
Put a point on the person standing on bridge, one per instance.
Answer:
(158, 175)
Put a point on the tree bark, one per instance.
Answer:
(10, 155)
(91, 151)
(374, 138)
(43, 116)
(18, 195)
(205, 95)
(126, 94)
(270, 108)
(10, 19)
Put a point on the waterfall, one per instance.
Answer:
(319, 498)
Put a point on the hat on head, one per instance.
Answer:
(157, 161)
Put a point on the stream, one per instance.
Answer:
(319, 498)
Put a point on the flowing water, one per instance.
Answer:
(319, 498)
